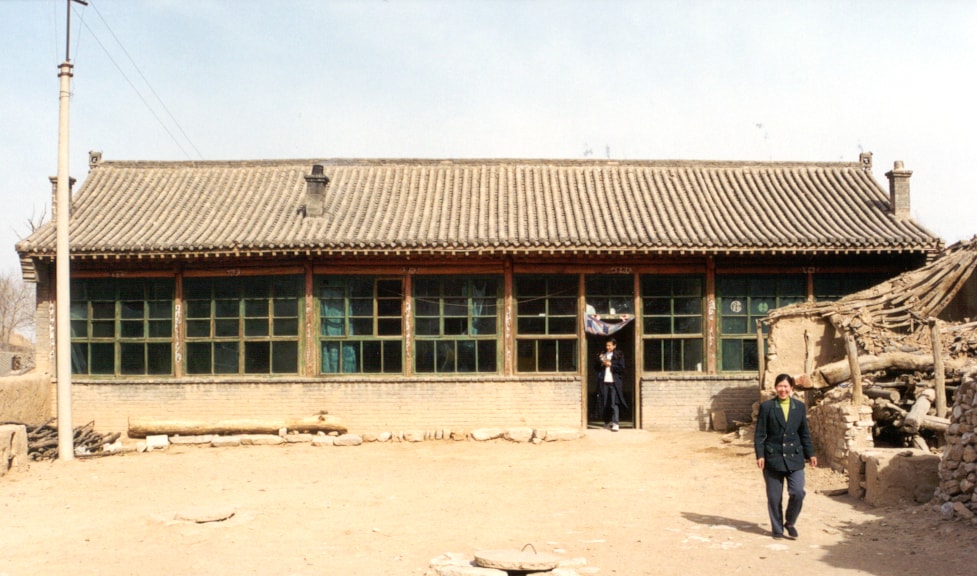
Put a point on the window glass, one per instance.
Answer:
(361, 324)
(456, 324)
(546, 322)
(122, 326)
(672, 323)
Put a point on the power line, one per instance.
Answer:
(147, 83)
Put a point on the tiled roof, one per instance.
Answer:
(169, 209)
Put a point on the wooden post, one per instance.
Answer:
(761, 356)
(856, 371)
(939, 372)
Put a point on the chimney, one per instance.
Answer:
(315, 191)
(865, 159)
(54, 196)
(899, 190)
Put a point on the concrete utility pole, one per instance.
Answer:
(66, 448)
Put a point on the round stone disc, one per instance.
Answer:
(519, 560)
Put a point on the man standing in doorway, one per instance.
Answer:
(610, 374)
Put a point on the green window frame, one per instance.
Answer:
(672, 320)
(546, 323)
(360, 324)
(456, 323)
(831, 287)
(242, 324)
(742, 301)
(122, 327)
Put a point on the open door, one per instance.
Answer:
(595, 346)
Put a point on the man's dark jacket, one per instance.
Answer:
(783, 445)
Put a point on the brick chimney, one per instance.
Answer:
(54, 196)
(315, 191)
(899, 190)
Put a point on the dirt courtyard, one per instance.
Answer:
(630, 503)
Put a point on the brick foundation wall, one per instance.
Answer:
(374, 405)
(687, 402)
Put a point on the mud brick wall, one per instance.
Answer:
(837, 430)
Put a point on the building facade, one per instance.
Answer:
(446, 294)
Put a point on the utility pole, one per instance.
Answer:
(66, 448)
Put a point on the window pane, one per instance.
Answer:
(160, 328)
(427, 327)
(198, 358)
(692, 361)
(389, 308)
(102, 359)
(286, 327)
(393, 357)
(567, 355)
(198, 309)
(103, 329)
(424, 356)
(486, 356)
(688, 305)
(225, 328)
(159, 358)
(225, 308)
(658, 325)
(732, 351)
(563, 325)
(285, 357)
(389, 327)
(131, 310)
(131, 329)
(257, 357)
(330, 357)
(225, 357)
(252, 328)
(688, 325)
(372, 357)
(79, 358)
(132, 359)
(256, 308)
(658, 306)
(532, 307)
(531, 325)
(361, 326)
(734, 326)
(198, 328)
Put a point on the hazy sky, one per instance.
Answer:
(712, 80)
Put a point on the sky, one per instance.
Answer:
(815, 81)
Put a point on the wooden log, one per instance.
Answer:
(934, 423)
(840, 371)
(140, 427)
(919, 409)
(889, 394)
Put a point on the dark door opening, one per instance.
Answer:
(595, 346)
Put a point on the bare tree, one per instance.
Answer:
(16, 306)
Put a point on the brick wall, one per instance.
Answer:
(686, 402)
(367, 405)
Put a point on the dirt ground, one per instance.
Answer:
(630, 503)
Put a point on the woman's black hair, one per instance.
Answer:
(781, 377)
(612, 340)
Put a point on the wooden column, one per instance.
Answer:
(939, 373)
(712, 329)
(856, 371)
(311, 358)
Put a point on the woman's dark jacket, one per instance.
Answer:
(783, 445)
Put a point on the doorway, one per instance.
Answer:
(595, 346)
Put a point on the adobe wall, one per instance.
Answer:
(688, 402)
(788, 343)
(26, 398)
(364, 406)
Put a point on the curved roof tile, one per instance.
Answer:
(494, 206)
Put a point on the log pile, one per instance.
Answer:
(42, 441)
